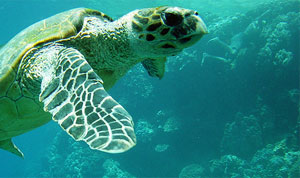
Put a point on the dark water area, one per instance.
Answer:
(227, 106)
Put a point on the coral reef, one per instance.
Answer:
(275, 160)
(167, 121)
(294, 95)
(275, 36)
(171, 124)
(242, 137)
(228, 166)
(283, 57)
(192, 171)
(161, 147)
(263, 53)
(71, 159)
(144, 131)
(112, 170)
(273, 31)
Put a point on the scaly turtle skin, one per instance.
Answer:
(61, 67)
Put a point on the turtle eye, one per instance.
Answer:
(172, 19)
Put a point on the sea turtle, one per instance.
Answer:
(61, 68)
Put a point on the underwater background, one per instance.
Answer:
(226, 107)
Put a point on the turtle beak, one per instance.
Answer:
(186, 26)
(193, 29)
(202, 27)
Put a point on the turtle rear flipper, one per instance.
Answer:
(78, 102)
(8, 145)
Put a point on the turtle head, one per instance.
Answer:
(164, 31)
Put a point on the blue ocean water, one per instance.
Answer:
(226, 107)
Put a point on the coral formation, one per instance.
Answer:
(264, 50)
(242, 137)
(283, 57)
(228, 166)
(275, 36)
(144, 130)
(161, 147)
(71, 159)
(192, 171)
(167, 121)
(112, 170)
(171, 124)
(275, 160)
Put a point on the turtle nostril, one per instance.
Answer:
(172, 19)
(196, 13)
(187, 15)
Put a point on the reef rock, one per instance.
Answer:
(192, 171)
(242, 137)
(161, 147)
(112, 170)
(228, 166)
(144, 130)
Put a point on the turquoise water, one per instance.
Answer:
(226, 107)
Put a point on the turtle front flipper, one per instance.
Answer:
(155, 67)
(78, 102)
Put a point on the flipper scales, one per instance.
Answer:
(78, 102)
